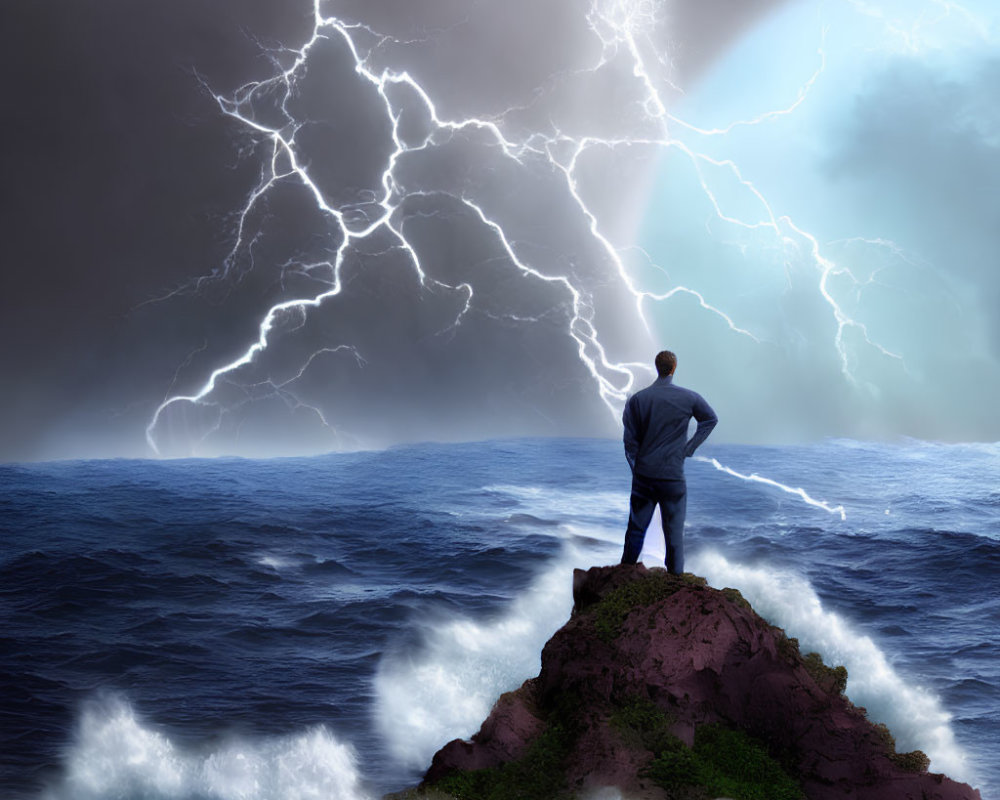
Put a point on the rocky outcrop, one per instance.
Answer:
(666, 688)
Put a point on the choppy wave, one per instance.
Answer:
(115, 754)
(446, 689)
(563, 504)
(379, 603)
(914, 714)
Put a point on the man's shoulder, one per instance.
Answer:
(658, 389)
(664, 392)
(688, 392)
(645, 394)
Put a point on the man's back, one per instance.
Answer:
(656, 424)
(656, 444)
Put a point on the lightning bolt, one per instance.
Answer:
(766, 116)
(624, 29)
(910, 36)
(755, 478)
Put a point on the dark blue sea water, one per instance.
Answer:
(318, 627)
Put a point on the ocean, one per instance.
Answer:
(318, 627)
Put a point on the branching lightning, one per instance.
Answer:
(767, 116)
(911, 35)
(621, 27)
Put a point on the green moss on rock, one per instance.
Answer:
(642, 723)
(914, 761)
(788, 646)
(723, 762)
(835, 677)
(736, 598)
(419, 793)
(538, 775)
(615, 606)
(883, 733)
(727, 763)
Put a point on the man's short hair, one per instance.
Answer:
(666, 363)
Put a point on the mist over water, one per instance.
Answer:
(254, 629)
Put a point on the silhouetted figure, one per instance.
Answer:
(656, 444)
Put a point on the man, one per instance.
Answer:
(656, 444)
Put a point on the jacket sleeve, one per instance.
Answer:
(707, 420)
(631, 437)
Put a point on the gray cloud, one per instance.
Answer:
(919, 162)
(131, 182)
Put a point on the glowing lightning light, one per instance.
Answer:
(755, 478)
(621, 26)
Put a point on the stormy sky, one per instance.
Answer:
(260, 227)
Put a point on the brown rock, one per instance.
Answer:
(701, 657)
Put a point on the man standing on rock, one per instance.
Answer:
(656, 444)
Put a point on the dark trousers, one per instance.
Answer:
(671, 496)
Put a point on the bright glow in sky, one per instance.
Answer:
(441, 221)
(856, 229)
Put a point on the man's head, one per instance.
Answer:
(666, 363)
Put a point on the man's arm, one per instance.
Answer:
(707, 420)
(631, 435)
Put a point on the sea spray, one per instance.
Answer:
(565, 505)
(268, 594)
(116, 754)
(914, 715)
(447, 688)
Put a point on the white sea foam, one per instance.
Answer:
(115, 754)
(914, 714)
(447, 689)
(276, 562)
(564, 504)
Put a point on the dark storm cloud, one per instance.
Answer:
(118, 173)
(440, 335)
(123, 183)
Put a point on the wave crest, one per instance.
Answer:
(115, 754)
(914, 714)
